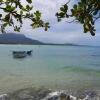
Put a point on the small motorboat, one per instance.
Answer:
(19, 54)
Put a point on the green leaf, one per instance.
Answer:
(28, 7)
(9, 8)
(29, 1)
(17, 29)
(7, 18)
(92, 33)
(37, 14)
(75, 6)
(0, 15)
(66, 7)
(5, 24)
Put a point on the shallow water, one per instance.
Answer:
(56, 67)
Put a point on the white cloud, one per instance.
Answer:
(59, 32)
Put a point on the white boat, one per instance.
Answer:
(19, 54)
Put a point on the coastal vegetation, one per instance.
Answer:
(85, 12)
(13, 11)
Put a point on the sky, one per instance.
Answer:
(61, 32)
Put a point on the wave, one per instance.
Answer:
(47, 94)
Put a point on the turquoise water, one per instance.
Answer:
(56, 67)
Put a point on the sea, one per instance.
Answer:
(50, 66)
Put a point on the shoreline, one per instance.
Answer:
(42, 93)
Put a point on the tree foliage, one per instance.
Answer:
(86, 12)
(13, 12)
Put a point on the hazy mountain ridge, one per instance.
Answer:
(12, 38)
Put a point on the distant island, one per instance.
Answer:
(13, 38)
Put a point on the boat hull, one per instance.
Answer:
(19, 54)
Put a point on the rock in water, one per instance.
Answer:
(3, 97)
(45, 94)
(59, 95)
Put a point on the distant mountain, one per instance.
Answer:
(12, 38)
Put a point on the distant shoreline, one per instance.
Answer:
(21, 39)
(47, 44)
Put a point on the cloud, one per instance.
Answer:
(59, 32)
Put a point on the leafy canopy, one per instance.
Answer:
(13, 14)
(86, 12)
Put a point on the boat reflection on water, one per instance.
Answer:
(21, 54)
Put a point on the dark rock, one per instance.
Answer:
(53, 98)
(4, 97)
(68, 98)
(63, 96)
